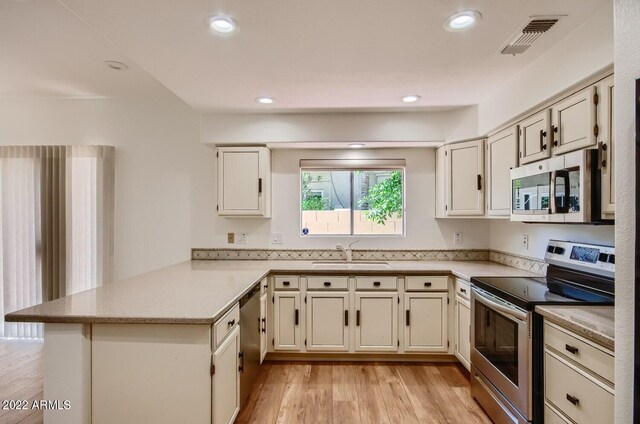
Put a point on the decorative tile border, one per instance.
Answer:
(526, 263)
(328, 255)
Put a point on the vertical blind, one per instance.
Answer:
(56, 225)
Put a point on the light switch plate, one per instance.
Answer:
(457, 239)
(276, 238)
(241, 238)
(525, 242)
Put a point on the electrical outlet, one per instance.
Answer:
(457, 239)
(276, 238)
(241, 238)
(231, 238)
(525, 242)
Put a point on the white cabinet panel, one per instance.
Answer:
(463, 331)
(225, 381)
(502, 155)
(244, 181)
(264, 345)
(574, 120)
(441, 182)
(425, 326)
(327, 321)
(465, 182)
(534, 135)
(286, 323)
(607, 147)
(376, 321)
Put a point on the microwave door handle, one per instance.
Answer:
(514, 313)
(565, 176)
(552, 193)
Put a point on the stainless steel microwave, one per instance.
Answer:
(562, 189)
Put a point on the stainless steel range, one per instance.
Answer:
(506, 335)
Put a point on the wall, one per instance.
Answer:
(565, 64)
(164, 176)
(423, 230)
(627, 65)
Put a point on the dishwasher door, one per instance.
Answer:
(249, 341)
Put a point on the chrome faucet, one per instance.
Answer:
(347, 250)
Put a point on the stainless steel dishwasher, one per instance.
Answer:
(249, 341)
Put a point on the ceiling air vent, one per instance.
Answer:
(532, 29)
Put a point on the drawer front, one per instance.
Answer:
(327, 283)
(264, 285)
(226, 324)
(578, 397)
(463, 288)
(286, 282)
(552, 417)
(427, 282)
(376, 283)
(583, 353)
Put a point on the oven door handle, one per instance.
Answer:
(514, 313)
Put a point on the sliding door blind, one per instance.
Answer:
(56, 225)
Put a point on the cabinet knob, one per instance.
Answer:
(327, 283)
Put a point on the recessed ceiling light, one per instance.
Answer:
(356, 145)
(116, 66)
(411, 98)
(221, 24)
(265, 100)
(462, 21)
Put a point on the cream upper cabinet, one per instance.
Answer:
(607, 146)
(327, 321)
(244, 182)
(425, 322)
(441, 182)
(286, 321)
(465, 178)
(376, 321)
(502, 155)
(225, 390)
(574, 122)
(534, 135)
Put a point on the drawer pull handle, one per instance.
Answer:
(574, 400)
(427, 284)
(327, 284)
(346, 318)
(286, 283)
(463, 290)
(358, 318)
(571, 349)
(376, 283)
(408, 318)
(231, 323)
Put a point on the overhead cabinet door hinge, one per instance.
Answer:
(596, 98)
(212, 370)
(217, 155)
(305, 342)
(217, 207)
(596, 130)
(447, 300)
(305, 299)
(447, 343)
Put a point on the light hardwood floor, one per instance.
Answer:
(380, 393)
(377, 393)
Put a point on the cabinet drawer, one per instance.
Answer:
(427, 282)
(286, 282)
(327, 283)
(463, 288)
(583, 353)
(226, 324)
(376, 283)
(551, 416)
(577, 396)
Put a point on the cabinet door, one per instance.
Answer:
(226, 380)
(263, 326)
(327, 321)
(425, 325)
(607, 146)
(441, 182)
(534, 137)
(463, 331)
(376, 322)
(502, 155)
(286, 322)
(465, 185)
(244, 181)
(574, 121)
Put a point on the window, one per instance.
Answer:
(345, 199)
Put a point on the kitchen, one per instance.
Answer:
(330, 116)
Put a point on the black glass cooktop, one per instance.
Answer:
(526, 292)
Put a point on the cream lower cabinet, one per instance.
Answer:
(376, 322)
(607, 146)
(327, 321)
(225, 382)
(425, 322)
(264, 345)
(462, 314)
(286, 321)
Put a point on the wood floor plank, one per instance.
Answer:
(425, 404)
(344, 388)
(394, 396)
(292, 407)
(21, 378)
(448, 402)
(267, 406)
(372, 410)
(345, 412)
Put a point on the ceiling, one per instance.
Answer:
(329, 55)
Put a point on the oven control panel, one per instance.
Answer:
(587, 257)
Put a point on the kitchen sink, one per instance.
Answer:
(351, 265)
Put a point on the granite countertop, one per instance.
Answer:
(200, 292)
(595, 323)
